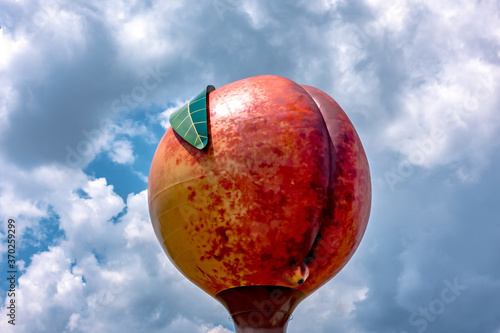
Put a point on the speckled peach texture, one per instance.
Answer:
(280, 196)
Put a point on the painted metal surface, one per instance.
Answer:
(280, 196)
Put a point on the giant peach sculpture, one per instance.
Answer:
(260, 193)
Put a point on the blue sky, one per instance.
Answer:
(86, 90)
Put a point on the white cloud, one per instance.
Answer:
(445, 113)
(47, 287)
(219, 329)
(141, 35)
(9, 47)
(121, 152)
(12, 205)
(181, 325)
(453, 114)
(138, 229)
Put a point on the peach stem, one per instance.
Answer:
(260, 309)
(260, 330)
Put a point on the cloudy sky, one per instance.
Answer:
(85, 90)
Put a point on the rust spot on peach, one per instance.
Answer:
(221, 231)
(216, 200)
(225, 183)
(278, 151)
(265, 257)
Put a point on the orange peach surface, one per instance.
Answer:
(279, 197)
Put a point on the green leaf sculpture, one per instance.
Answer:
(190, 121)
